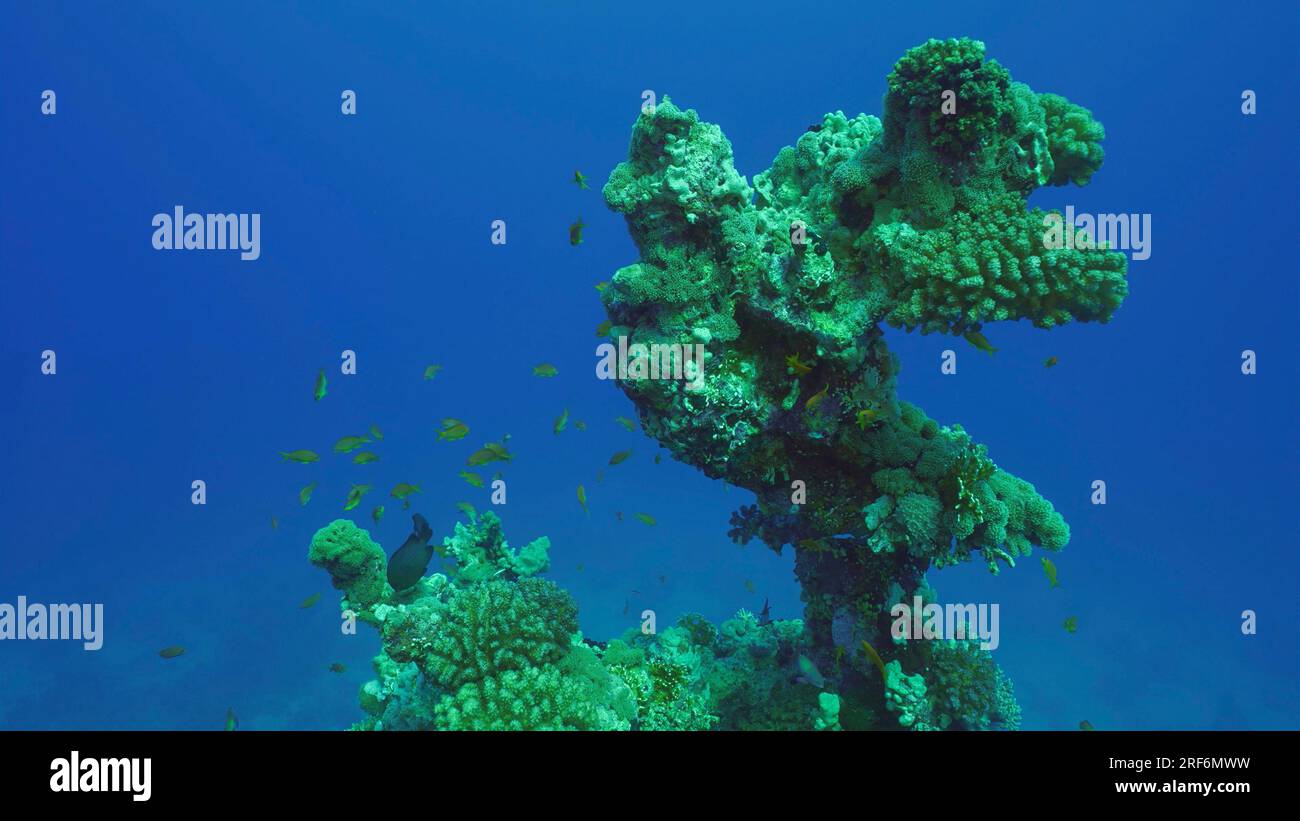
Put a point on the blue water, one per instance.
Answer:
(177, 366)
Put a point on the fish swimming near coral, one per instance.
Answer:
(300, 456)
(603, 328)
(310, 601)
(467, 509)
(403, 490)
(319, 392)
(764, 615)
(171, 652)
(575, 232)
(625, 422)
(815, 401)
(1049, 567)
(408, 564)
(377, 514)
(810, 672)
(304, 495)
(580, 179)
(866, 417)
(979, 342)
(350, 443)
(875, 659)
(354, 496)
(795, 364)
(620, 457)
(471, 477)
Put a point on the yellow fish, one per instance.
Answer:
(800, 368)
(875, 658)
(402, 490)
(320, 391)
(1072, 624)
(560, 422)
(473, 478)
(1051, 362)
(300, 456)
(304, 495)
(1050, 569)
(432, 371)
(580, 179)
(647, 518)
(815, 400)
(601, 286)
(453, 430)
(621, 456)
(625, 422)
(866, 417)
(377, 514)
(355, 494)
(603, 328)
(575, 232)
(466, 508)
(365, 457)
(582, 499)
(978, 340)
(580, 425)
(545, 369)
(350, 443)
(309, 601)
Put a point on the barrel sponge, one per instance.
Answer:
(491, 628)
(356, 565)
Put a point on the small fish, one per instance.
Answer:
(602, 285)
(1086, 725)
(582, 499)
(658, 458)
(376, 432)
(467, 509)
(275, 523)
(811, 673)
(377, 514)
(500, 450)
(408, 562)
(875, 658)
(580, 179)
(300, 456)
(800, 368)
(545, 369)
(620, 457)
(575, 232)
(487, 454)
(618, 514)
(647, 518)
(625, 422)
(603, 328)
(749, 586)
(354, 496)
(627, 605)
(320, 385)
(764, 615)
(815, 400)
(402, 490)
(866, 417)
(600, 477)
(350, 443)
(171, 652)
(1050, 569)
(580, 425)
(980, 343)
(365, 457)
(1072, 624)
(663, 579)
(581, 567)
(336, 667)
(560, 422)
(232, 720)
(431, 371)
(304, 495)
(473, 478)
(453, 430)
(1051, 362)
(310, 601)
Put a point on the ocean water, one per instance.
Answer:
(183, 366)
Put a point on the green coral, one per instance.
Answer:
(356, 565)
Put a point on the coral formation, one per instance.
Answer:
(917, 221)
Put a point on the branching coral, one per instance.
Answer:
(918, 221)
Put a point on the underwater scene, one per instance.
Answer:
(695, 366)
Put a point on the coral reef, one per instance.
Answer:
(914, 221)
(917, 221)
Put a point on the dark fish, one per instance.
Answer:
(171, 652)
(815, 127)
(408, 564)
(764, 615)
(336, 667)
(310, 601)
